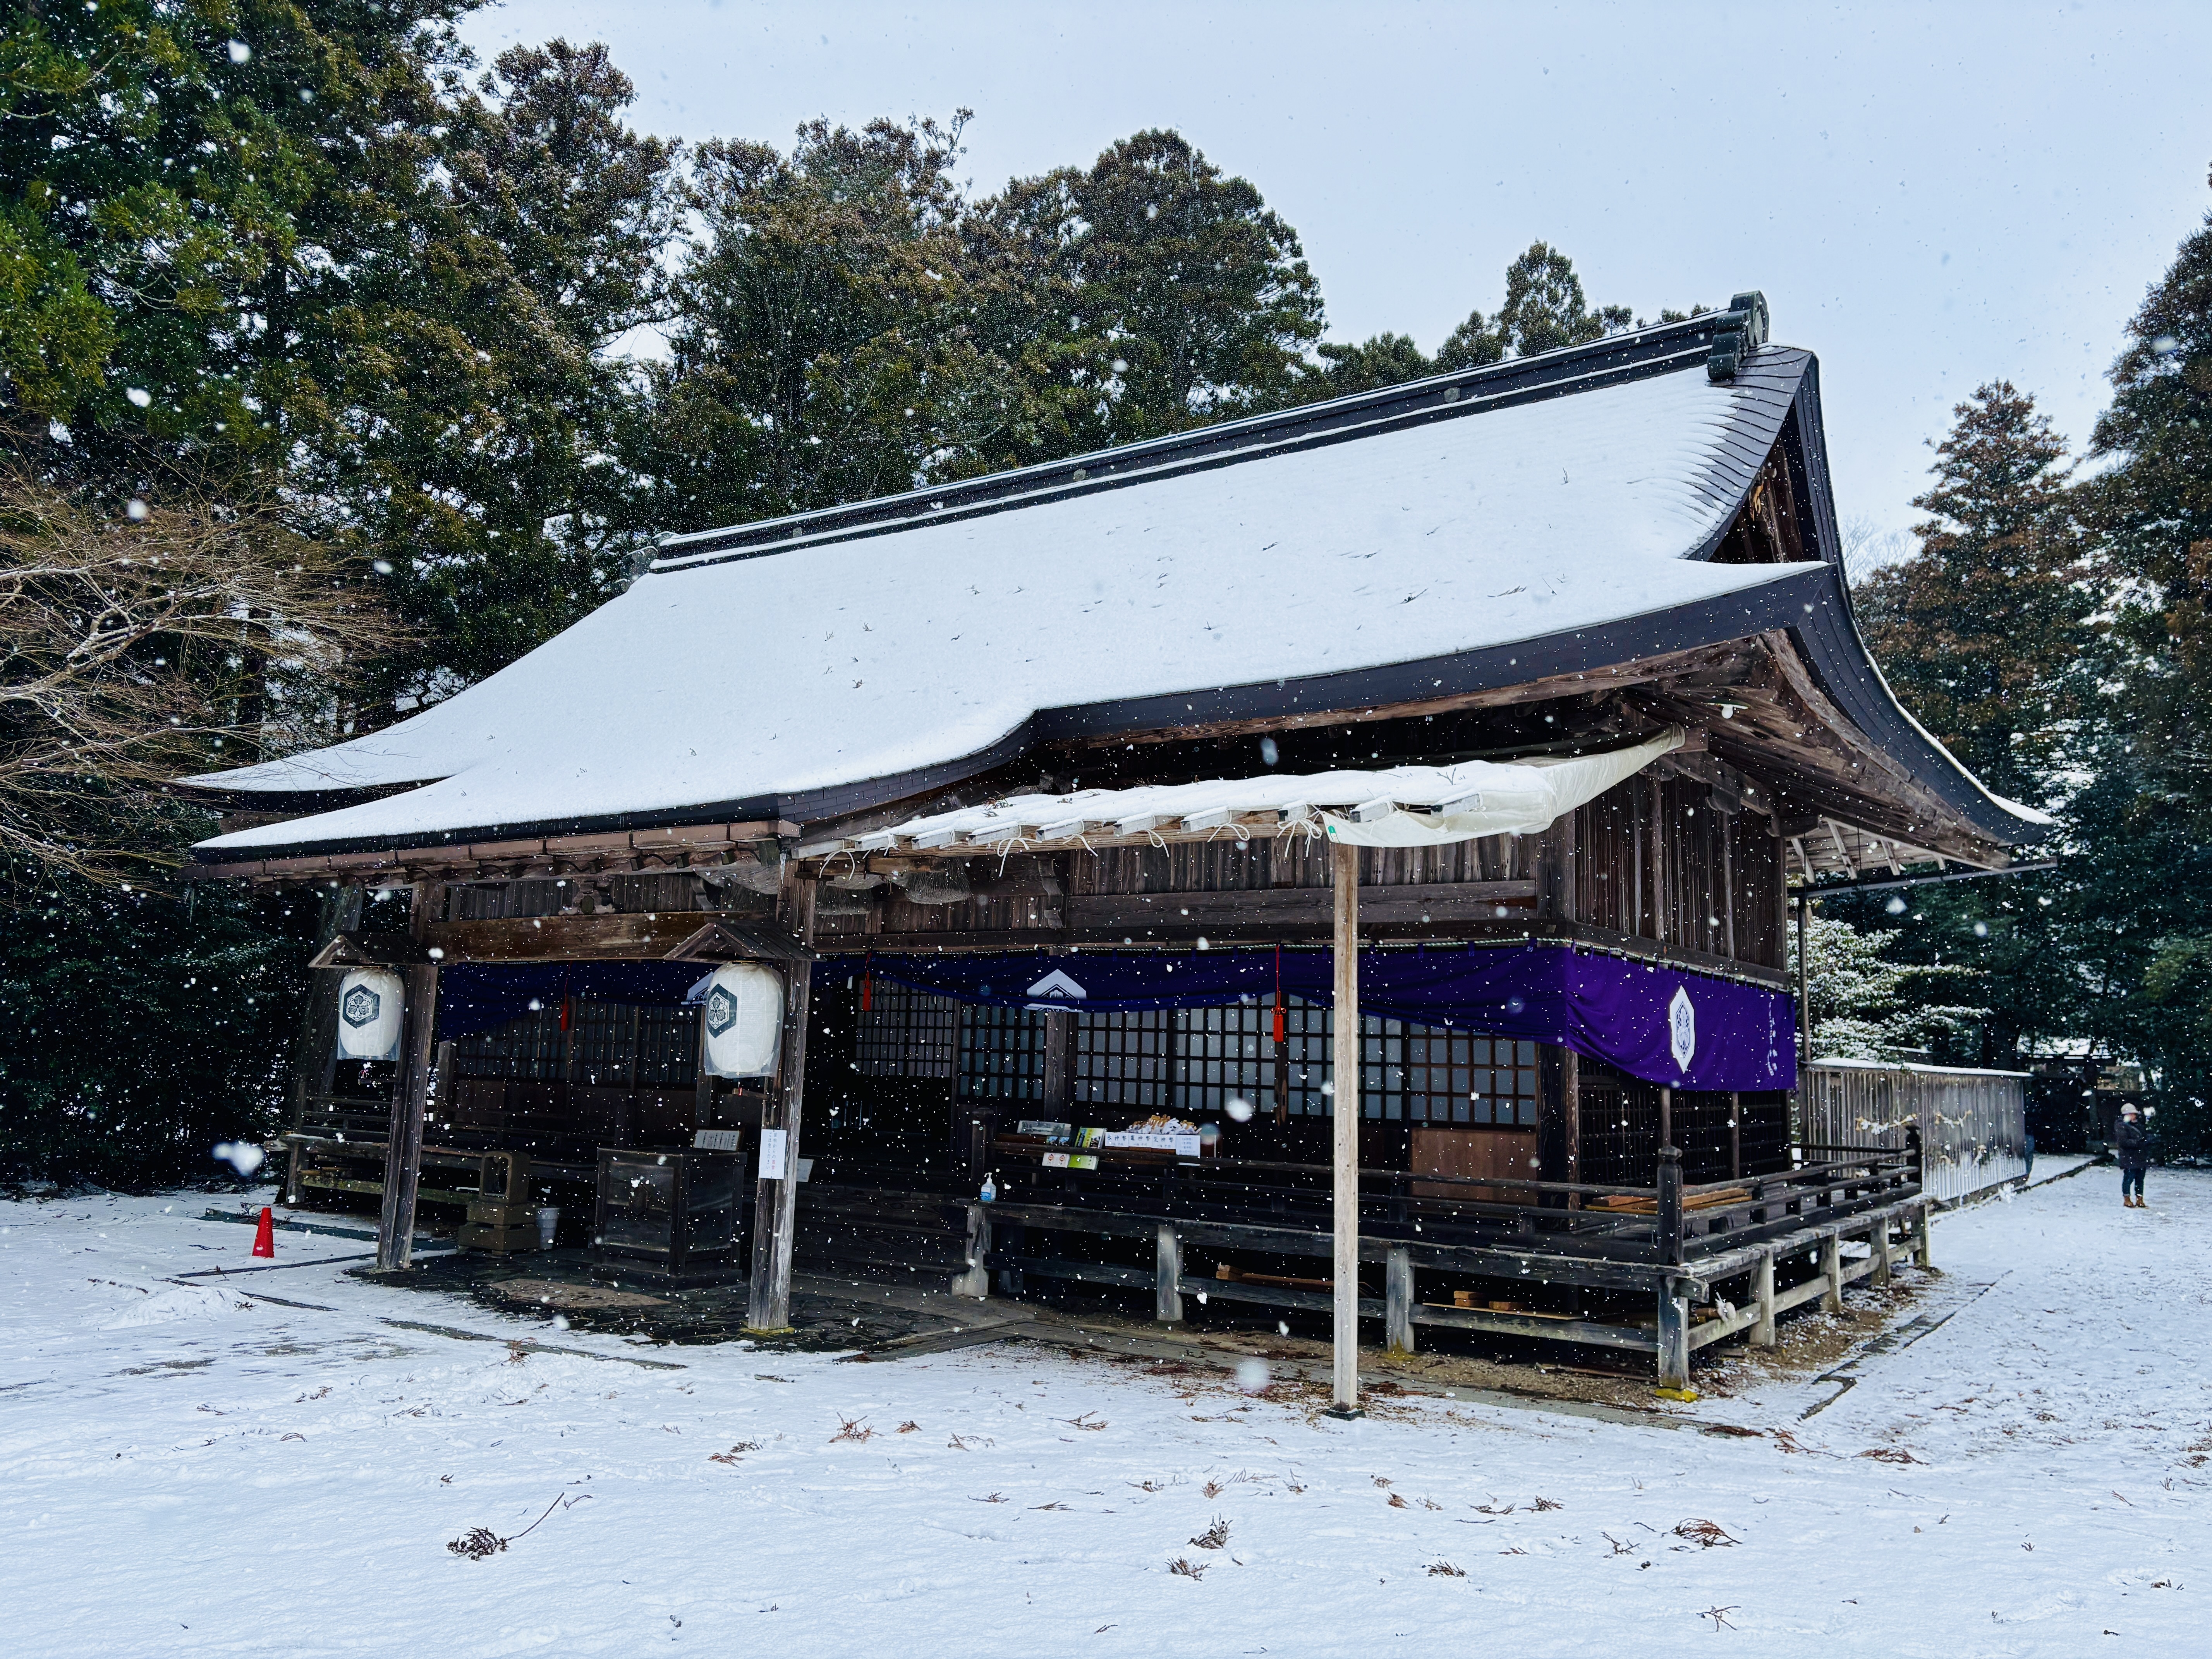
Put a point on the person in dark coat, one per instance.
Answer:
(2132, 1144)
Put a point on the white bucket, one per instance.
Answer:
(548, 1219)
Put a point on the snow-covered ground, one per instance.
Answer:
(195, 1467)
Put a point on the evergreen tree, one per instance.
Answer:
(824, 346)
(1866, 1006)
(2153, 510)
(554, 214)
(2147, 820)
(1176, 296)
(1384, 360)
(1983, 632)
(139, 1031)
(1544, 310)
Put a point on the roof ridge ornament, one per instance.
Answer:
(1739, 332)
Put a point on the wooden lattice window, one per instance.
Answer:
(906, 1033)
(1123, 1059)
(1463, 1078)
(1001, 1053)
(1220, 1052)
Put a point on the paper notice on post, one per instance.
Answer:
(776, 1154)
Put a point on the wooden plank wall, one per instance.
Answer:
(1666, 861)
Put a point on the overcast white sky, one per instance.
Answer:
(1930, 195)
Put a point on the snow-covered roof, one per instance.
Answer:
(1488, 528)
(1393, 806)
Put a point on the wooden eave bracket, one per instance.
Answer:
(736, 941)
(371, 950)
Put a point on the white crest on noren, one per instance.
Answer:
(1682, 1028)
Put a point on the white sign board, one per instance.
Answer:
(715, 1140)
(776, 1154)
(1180, 1145)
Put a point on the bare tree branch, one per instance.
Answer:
(178, 637)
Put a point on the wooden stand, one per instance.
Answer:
(676, 1216)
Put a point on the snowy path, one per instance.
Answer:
(185, 1470)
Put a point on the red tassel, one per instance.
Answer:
(867, 992)
(1279, 996)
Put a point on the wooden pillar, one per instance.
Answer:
(1878, 1241)
(1736, 1137)
(1059, 1061)
(1832, 1269)
(1345, 1119)
(1728, 820)
(1398, 1298)
(410, 1098)
(1923, 1251)
(1666, 1119)
(1167, 1274)
(1559, 872)
(410, 1093)
(1762, 1330)
(775, 1197)
(703, 1083)
(1571, 1107)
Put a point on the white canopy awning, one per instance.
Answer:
(1400, 806)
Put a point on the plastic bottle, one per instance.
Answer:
(991, 1187)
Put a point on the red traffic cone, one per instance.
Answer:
(264, 1236)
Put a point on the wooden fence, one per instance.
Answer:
(1971, 1123)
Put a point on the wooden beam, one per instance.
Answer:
(604, 935)
(1344, 1202)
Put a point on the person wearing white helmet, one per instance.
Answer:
(2131, 1142)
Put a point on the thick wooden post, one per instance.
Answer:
(1924, 1252)
(1058, 1062)
(1736, 1137)
(410, 1098)
(1167, 1276)
(1878, 1241)
(1832, 1269)
(1670, 1205)
(1571, 1107)
(1346, 1057)
(1762, 1331)
(1398, 1298)
(776, 1197)
(702, 1081)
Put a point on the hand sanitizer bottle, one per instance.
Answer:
(991, 1187)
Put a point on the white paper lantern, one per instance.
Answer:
(370, 1003)
(744, 1014)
